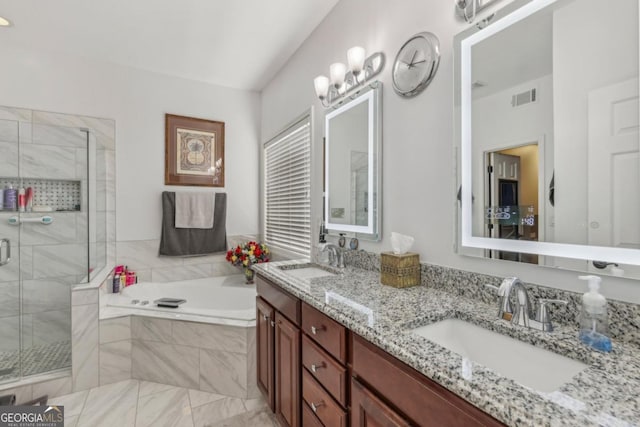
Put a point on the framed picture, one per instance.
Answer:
(194, 151)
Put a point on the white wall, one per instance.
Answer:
(138, 100)
(418, 194)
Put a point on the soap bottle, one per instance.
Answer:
(594, 328)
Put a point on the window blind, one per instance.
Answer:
(287, 203)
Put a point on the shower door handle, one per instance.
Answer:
(3, 243)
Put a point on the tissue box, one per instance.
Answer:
(399, 271)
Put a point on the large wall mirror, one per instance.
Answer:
(352, 167)
(548, 134)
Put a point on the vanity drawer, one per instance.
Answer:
(331, 335)
(321, 403)
(282, 301)
(328, 372)
(416, 396)
(309, 419)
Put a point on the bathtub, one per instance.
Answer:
(207, 343)
(223, 300)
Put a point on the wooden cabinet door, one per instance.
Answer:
(265, 324)
(287, 381)
(369, 411)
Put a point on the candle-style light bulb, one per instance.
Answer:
(337, 71)
(321, 84)
(355, 56)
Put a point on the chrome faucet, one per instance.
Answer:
(523, 313)
(504, 291)
(336, 256)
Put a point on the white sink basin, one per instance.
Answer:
(309, 272)
(524, 363)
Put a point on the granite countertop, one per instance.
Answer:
(606, 393)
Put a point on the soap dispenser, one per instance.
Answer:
(594, 328)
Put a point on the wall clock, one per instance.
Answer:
(416, 64)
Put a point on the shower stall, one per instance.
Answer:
(53, 237)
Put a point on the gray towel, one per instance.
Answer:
(192, 241)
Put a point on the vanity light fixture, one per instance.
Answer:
(4, 22)
(468, 9)
(343, 80)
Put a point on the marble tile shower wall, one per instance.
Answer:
(624, 318)
(142, 257)
(51, 259)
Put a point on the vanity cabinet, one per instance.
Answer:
(385, 390)
(314, 372)
(278, 351)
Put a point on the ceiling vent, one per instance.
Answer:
(524, 98)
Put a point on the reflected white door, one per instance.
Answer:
(614, 168)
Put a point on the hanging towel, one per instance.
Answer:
(192, 241)
(194, 210)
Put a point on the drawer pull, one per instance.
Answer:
(273, 324)
(265, 317)
(315, 330)
(315, 406)
(314, 367)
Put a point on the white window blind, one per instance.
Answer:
(287, 189)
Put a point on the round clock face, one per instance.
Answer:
(416, 64)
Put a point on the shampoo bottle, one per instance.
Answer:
(10, 196)
(22, 200)
(594, 327)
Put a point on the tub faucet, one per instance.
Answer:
(336, 256)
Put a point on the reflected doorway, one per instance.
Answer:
(511, 198)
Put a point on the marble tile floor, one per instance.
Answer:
(134, 403)
(35, 360)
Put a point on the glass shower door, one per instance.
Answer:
(61, 160)
(54, 241)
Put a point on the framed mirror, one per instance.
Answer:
(548, 140)
(352, 166)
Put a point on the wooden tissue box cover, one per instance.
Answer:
(399, 271)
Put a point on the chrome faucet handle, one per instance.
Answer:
(542, 314)
(501, 307)
(505, 311)
(493, 287)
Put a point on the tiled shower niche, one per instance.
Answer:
(59, 195)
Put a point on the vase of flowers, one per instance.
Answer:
(247, 254)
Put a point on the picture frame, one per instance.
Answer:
(194, 151)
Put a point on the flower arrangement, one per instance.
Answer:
(247, 254)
